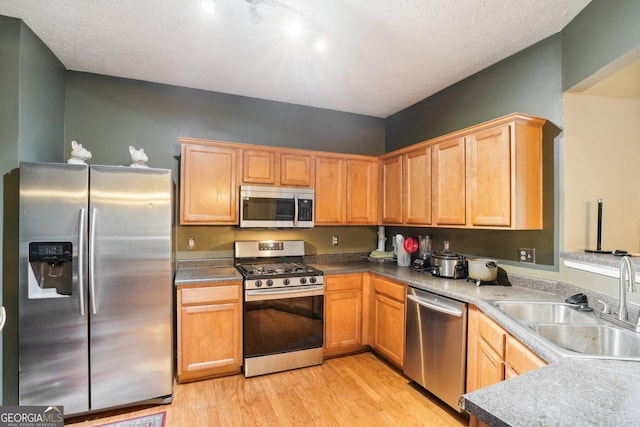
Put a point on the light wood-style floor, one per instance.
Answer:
(357, 390)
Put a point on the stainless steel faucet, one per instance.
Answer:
(627, 284)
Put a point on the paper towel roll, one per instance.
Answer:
(381, 238)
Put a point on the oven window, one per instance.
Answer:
(268, 209)
(283, 325)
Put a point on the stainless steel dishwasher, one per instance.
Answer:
(436, 344)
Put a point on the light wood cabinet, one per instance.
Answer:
(344, 310)
(392, 190)
(346, 190)
(209, 334)
(330, 190)
(277, 167)
(485, 176)
(259, 167)
(296, 169)
(504, 176)
(388, 319)
(519, 359)
(449, 184)
(489, 177)
(212, 171)
(417, 181)
(406, 188)
(493, 355)
(208, 184)
(362, 191)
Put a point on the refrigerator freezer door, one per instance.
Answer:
(130, 282)
(53, 331)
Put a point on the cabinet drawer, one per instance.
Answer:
(492, 333)
(209, 294)
(391, 289)
(343, 282)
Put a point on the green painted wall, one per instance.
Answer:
(9, 91)
(603, 32)
(9, 95)
(529, 82)
(42, 94)
(107, 114)
(31, 129)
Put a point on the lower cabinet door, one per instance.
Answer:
(209, 340)
(343, 320)
(490, 366)
(388, 328)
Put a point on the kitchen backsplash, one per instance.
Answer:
(217, 241)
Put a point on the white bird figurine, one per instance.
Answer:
(79, 154)
(138, 157)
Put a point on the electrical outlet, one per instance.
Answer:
(191, 243)
(334, 240)
(527, 255)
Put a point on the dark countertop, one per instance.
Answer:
(567, 392)
(198, 275)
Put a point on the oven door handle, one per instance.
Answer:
(265, 295)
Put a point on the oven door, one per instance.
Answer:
(282, 321)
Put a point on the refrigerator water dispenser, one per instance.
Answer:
(50, 275)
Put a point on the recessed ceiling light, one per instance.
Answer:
(208, 6)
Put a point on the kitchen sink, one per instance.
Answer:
(545, 312)
(592, 340)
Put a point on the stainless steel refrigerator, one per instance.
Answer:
(95, 286)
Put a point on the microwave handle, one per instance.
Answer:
(295, 210)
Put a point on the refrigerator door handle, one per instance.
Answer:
(92, 260)
(81, 252)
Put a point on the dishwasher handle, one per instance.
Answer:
(433, 305)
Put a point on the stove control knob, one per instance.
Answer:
(258, 283)
(286, 281)
(269, 282)
(312, 279)
(303, 280)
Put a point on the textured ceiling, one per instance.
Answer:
(381, 56)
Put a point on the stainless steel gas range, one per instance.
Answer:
(283, 306)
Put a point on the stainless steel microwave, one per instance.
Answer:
(276, 207)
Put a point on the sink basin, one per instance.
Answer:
(544, 312)
(595, 340)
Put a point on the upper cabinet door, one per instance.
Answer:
(417, 187)
(259, 167)
(362, 191)
(489, 176)
(296, 169)
(277, 167)
(208, 185)
(392, 190)
(449, 183)
(330, 190)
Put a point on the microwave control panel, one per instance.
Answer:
(305, 210)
